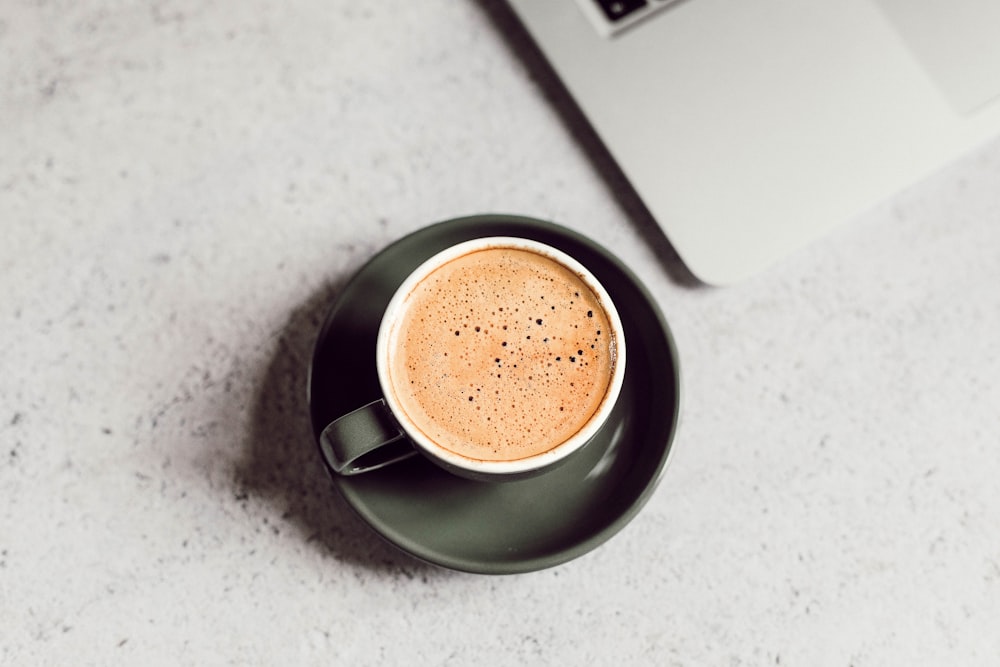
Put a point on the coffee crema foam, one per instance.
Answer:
(502, 354)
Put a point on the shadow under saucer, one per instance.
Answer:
(280, 467)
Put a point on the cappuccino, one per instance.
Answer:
(501, 354)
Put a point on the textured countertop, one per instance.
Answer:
(184, 188)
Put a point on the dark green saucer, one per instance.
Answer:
(502, 527)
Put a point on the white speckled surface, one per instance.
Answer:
(184, 187)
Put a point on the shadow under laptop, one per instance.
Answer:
(523, 47)
(281, 463)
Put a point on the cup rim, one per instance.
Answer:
(536, 462)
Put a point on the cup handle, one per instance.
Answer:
(366, 439)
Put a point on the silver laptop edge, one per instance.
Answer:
(750, 129)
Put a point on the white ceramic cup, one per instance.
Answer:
(382, 432)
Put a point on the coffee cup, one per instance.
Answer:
(497, 358)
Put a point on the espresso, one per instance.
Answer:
(501, 354)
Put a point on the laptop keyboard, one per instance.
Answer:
(619, 14)
(616, 10)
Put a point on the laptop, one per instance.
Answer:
(750, 128)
